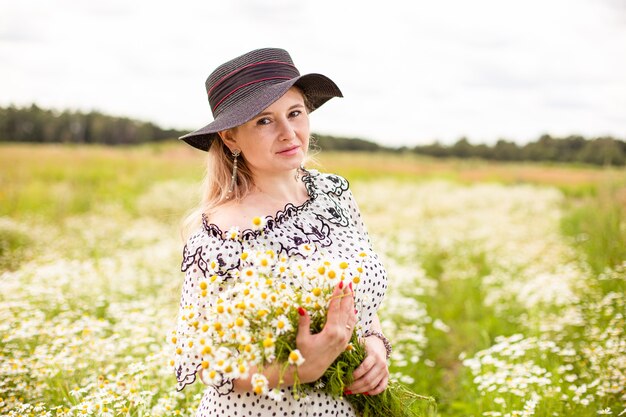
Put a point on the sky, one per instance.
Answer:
(412, 72)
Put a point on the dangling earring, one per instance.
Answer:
(233, 178)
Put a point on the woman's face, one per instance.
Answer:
(275, 140)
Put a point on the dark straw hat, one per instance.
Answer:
(244, 86)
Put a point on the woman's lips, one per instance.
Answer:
(289, 151)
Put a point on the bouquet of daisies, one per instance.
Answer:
(254, 320)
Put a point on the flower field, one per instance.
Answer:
(507, 284)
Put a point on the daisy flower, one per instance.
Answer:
(306, 249)
(233, 233)
(209, 376)
(281, 324)
(258, 223)
(296, 358)
(260, 384)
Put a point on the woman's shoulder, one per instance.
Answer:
(207, 245)
(215, 227)
(224, 217)
(327, 182)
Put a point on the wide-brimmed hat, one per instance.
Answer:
(243, 87)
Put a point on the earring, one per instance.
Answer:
(233, 177)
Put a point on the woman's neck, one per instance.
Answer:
(281, 188)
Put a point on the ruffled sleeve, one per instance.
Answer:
(355, 216)
(345, 211)
(206, 254)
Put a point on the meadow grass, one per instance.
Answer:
(55, 181)
(492, 267)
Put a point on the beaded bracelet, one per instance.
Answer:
(382, 337)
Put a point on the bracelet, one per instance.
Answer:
(382, 337)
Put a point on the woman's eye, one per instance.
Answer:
(263, 121)
(295, 113)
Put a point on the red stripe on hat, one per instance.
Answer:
(246, 84)
(244, 67)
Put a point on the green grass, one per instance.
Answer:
(597, 226)
(56, 181)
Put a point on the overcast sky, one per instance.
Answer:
(411, 71)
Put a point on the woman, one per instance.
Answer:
(256, 146)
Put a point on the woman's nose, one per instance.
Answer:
(286, 130)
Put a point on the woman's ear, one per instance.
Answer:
(228, 138)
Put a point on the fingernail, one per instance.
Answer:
(347, 392)
(355, 311)
(350, 285)
(341, 285)
(301, 311)
(366, 393)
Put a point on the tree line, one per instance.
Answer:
(34, 124)
(574, 148)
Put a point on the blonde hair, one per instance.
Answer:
(217, 178)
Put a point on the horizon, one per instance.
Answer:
(385, 146)
(412, 72)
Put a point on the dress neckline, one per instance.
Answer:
(271, 221)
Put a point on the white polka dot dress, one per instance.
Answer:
(330, 219)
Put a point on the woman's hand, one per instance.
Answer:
(372, 375)
(321, 349)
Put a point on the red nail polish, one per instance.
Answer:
(350, 285)
(355, 311)
(301, 311)
(366, 393)
(341, 285)
(347, 392)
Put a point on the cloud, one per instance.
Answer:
(411, 71)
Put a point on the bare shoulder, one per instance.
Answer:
(231, 214)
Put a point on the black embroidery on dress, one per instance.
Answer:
(189, 379)
(339, 184)
(318, 234)
(188, 259)
(225, 386)
(334, 214)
